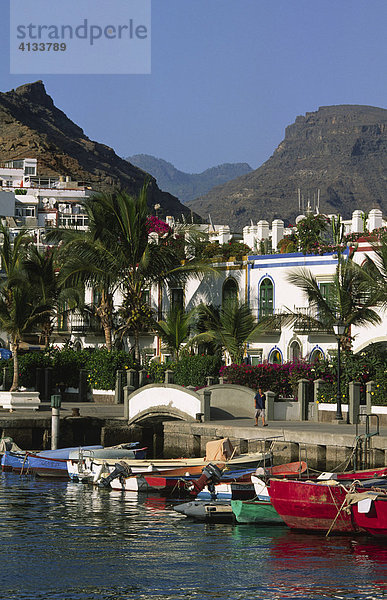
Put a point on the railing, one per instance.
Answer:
(306, 322)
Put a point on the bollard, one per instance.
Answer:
(55, 417)
(210, 380)
(269, 410)
(370, 389)
(206, 405)
(168, 377)
(303, 403)
(142, 378)
(119, 391)
(354, 402)
(221, 380)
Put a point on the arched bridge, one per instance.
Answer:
(170, 401)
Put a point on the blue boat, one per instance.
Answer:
(53, 463)
(27, 462)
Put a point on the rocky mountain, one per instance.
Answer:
(32, 127)
(339, 150)
(187, 186)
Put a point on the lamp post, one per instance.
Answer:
(338, 328)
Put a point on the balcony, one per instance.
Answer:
(307, 322)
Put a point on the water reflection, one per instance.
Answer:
(64, 541)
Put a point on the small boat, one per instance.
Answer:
(210, 512)
(311, 505)
(259, 512)
(228, 491)
(369, 509)
(91, 469)
(24, 461)
(320, 505)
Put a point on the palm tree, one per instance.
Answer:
(117, 253)
(19, 310)
(48, 289)
(175, 329)
(230, 328)
(347, 300)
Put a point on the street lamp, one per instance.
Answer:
(338, 328)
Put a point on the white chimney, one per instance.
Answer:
(375, 219)
(357, 221)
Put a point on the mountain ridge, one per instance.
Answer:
(31, 126)
(187, 186)
(340, 150)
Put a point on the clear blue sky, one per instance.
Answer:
(227, 77)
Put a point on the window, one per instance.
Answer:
(326, 290)
(266, 295)
(316, 355)
(177, 299)
(146, 297)
(29, 171)
(275, 357)
(230, 291)
(97, 296)
(295, 351)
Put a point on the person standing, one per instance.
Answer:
(260, 407)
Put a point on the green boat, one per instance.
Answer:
(260, 512)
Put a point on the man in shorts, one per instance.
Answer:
(260, 407)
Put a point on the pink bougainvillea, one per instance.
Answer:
(156, 225)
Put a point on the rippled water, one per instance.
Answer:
(64, 541)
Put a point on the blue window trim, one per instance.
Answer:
(275, 349)
(317, 347)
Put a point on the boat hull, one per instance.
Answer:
(259, 512)
(311, 506)
(210, 512)
(375, 520)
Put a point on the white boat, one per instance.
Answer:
(92, 469)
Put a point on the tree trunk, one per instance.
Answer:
(15, 382)
(104, 312)
(136, 334)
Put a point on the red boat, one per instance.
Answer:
(311, 505)
(371, 514)
(365, 474)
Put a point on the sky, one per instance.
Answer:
(227, 77)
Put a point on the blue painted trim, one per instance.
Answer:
(317, 347)
(275, 349)
(291, 254)
(294, 264)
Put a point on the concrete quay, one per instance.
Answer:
(325, 445)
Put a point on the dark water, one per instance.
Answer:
(63, 541)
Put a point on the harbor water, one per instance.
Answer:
(66, 541)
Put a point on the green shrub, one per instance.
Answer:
(28, 363)
(66, 365)
(193, 370)
(156, 371)
(102, 366)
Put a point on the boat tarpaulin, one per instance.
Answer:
(221, 450)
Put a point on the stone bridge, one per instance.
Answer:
(170, 401)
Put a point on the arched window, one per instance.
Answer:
(266, 297)
(230, 291)
(316, 355)
(275, 357)
(295, 351)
